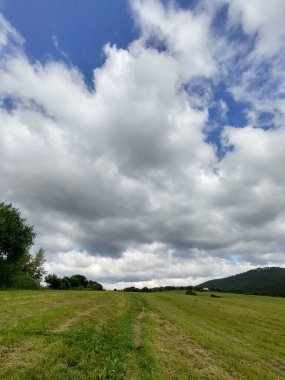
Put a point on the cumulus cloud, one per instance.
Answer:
(120, 179)
(151, 265)
(259, 78)
(262, 18)
(183, 34)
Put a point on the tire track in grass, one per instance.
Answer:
(133, 372)
(143, 364)
(97, 354)
(76, 318)
(138, 329)
(86, 352)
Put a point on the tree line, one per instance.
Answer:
(19, 269)
(162, 289)
(77, 281)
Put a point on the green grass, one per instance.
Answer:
(165, 335)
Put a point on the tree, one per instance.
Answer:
(78, 280)
(18, 268)
(94, 285)
(66, 282)
(53, 281)
(34, 265)
(16, 236)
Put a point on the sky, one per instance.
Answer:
(144, 139)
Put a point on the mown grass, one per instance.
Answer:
(233, 337)
(115, 335)
(66, 335)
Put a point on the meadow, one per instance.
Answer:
(164, 335)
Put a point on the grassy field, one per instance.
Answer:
(115, 335)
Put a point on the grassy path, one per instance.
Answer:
(115, 335)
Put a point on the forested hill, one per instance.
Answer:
(265, 281)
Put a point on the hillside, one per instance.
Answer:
(266, 281)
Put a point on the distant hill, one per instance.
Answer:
(264, 281)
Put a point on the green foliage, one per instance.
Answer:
(93, 285)
(18, 268)
(34, 265)
(65, 283)
(76, 281)
(22, 281)
(167, 288)
(53, 281)
(16, 236)
(6, 272)
(190, 292)
(261, 281)
(131, 289)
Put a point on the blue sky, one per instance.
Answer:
(76, 32)
(144, 139)
(80, 28)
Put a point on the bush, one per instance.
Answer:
(215, 296)
(190, 292)
(94, 285)
(22, 281)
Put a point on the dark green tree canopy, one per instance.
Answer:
(18, 268)
(16, 236)
(76, 281)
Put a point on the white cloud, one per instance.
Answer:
(263, 18)
(119, 180)
(184, 34)
(9, 37)
(151, 265)
(259, 78)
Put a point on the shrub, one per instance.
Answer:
(94, 285)
(22, 281)
(215, 296)
(190, 292)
